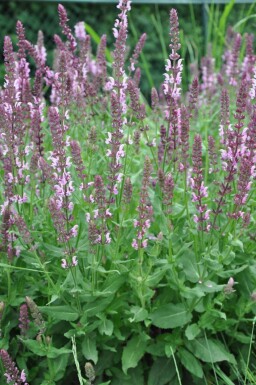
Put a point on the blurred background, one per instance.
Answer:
(199, 26)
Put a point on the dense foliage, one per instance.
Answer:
(127, 229)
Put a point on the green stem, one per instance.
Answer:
(249, 352)
(176, 367)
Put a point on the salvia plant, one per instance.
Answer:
(127, 227)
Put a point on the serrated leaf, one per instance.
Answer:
(170, 316)
(89, 349)
(209, 350)
(189, 361)
(64, 313)
(133, 352)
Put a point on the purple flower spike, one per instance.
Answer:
(12, 374)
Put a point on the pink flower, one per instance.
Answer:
(96, 213)
(23, 376)
(108, 140)
(108, 213)
(135, 244)
(74, 231)
(147, 223)
(80, 30)
(74, 261)
(195, 218)
(135, 223)
(108, 239)
(115, 190)
(144, 243)
(64, 264)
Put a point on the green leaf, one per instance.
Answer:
(209, 350)
(237, 243)
(190, 268)
(59, 365)
(189, 361)
(53, 352)
(35, 347)
(89, 349)
(192, 331)
(134, 377)
(133, 352)
(64, 313)
(232, 272)
(156, 277)
(170, 316)
(105, 383)
(106, 327)
(113, 283)
(96, 306)
(162, 372)
(139, 314)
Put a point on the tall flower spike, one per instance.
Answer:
(212, 155)
(65, 28)
(168, 193)
(144, 209)
(137, 51)
(127, 194)
(134, 93)
(77, 158)
(225, 115)
(193, 95)
(244, 182)
(12, 374)
(184, 137)
(197, 185)
(24, 320)
(174, 63)
(37, 316)
(232, 72)
(21, 38)
(101, 61)
(154, 99)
